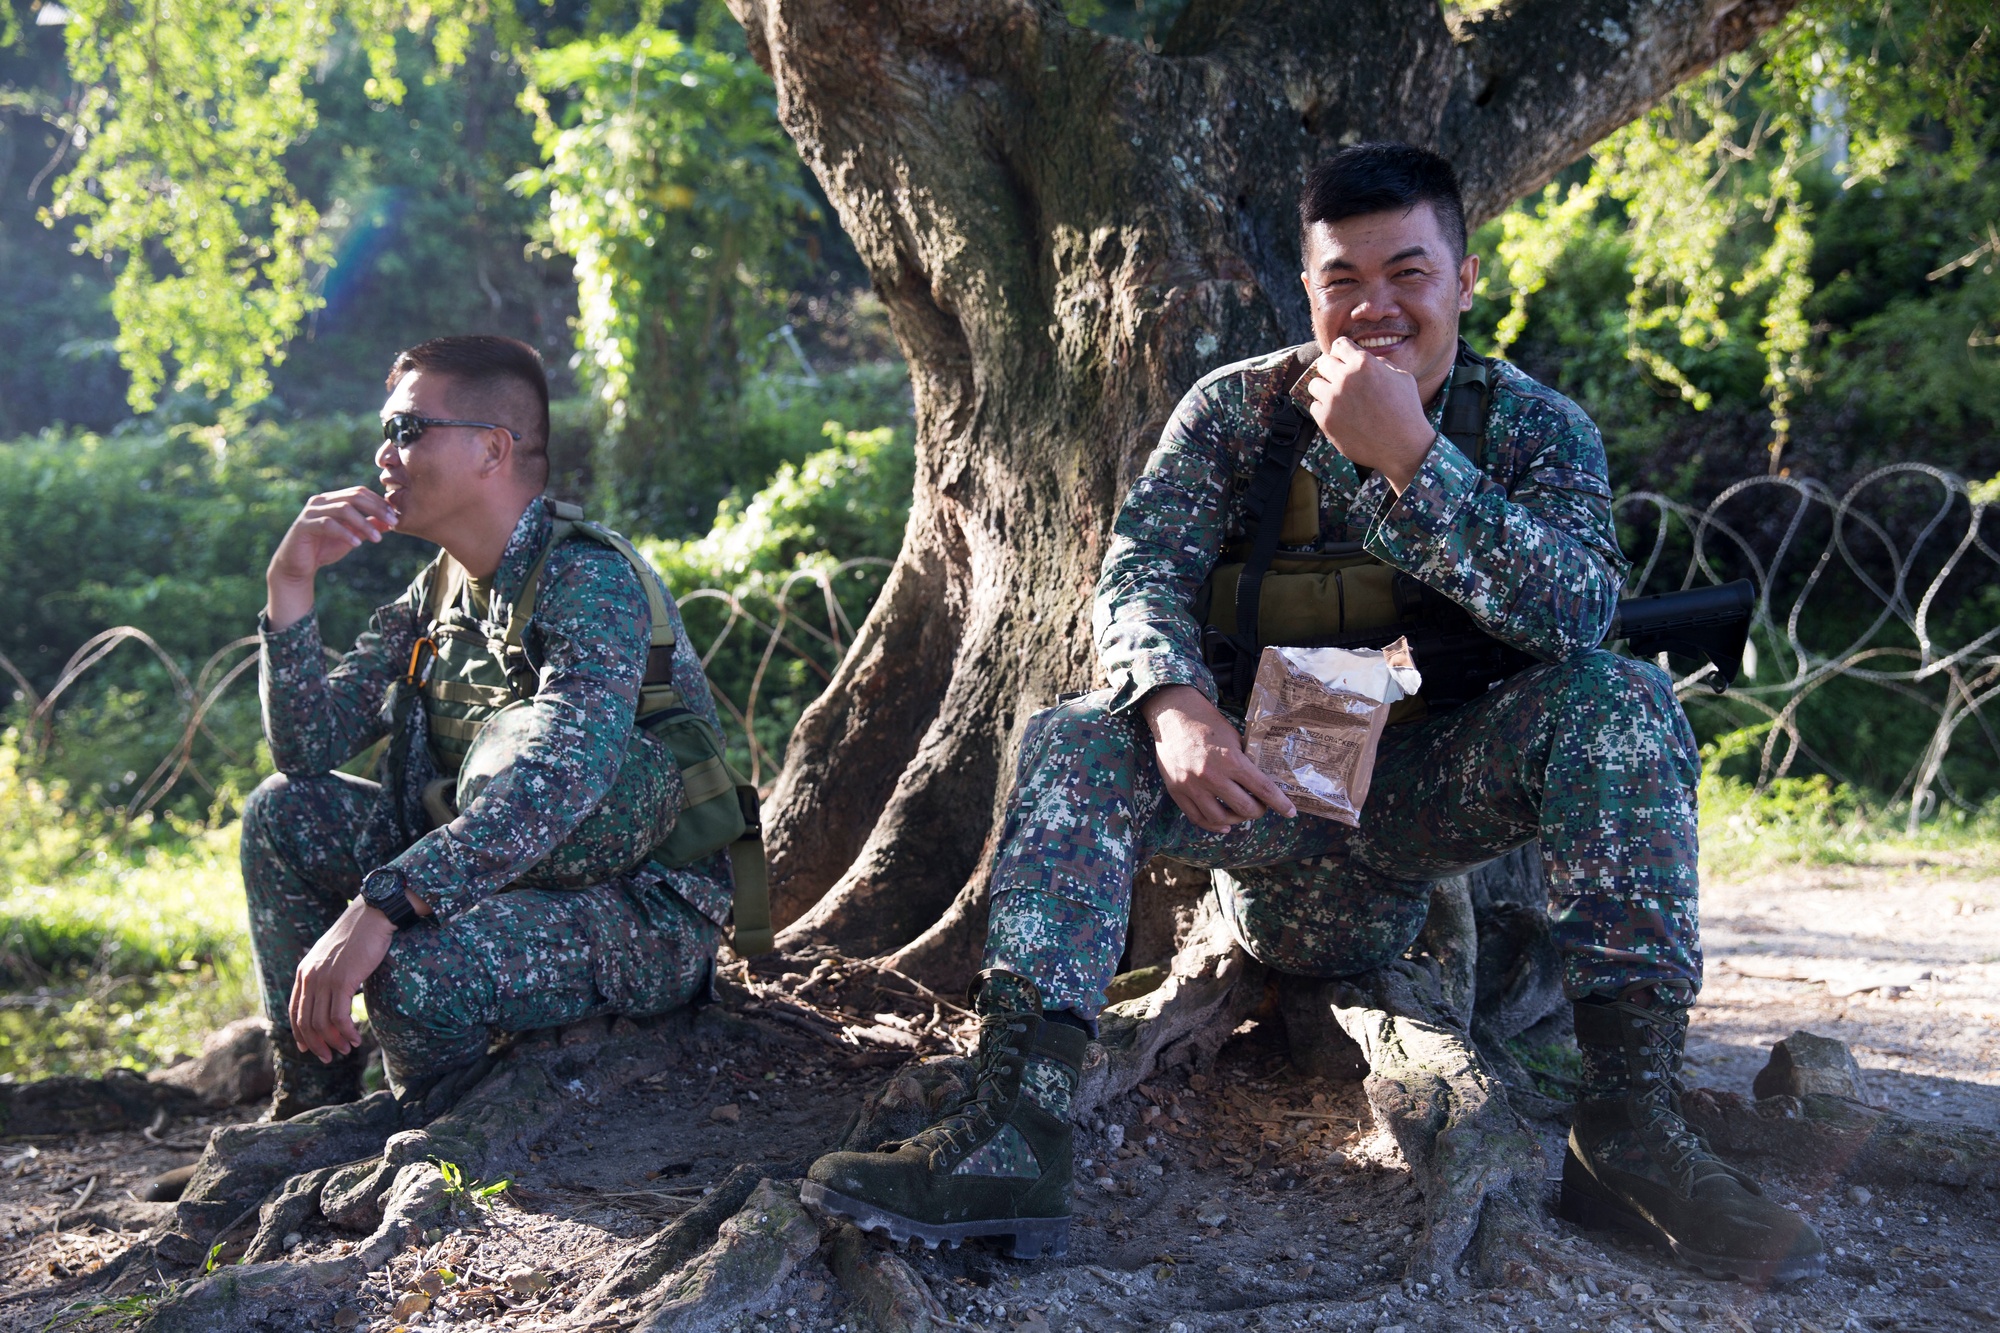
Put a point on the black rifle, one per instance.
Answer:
(1461, 662)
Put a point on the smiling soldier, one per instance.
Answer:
(505, 873)
(1438, 490)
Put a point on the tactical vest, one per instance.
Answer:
(1284, 585)
(473, 677)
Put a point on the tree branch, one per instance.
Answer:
(1542, 80)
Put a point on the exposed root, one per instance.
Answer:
(887, 1290)
(754, 1252)
(67, 1104)
(1828, 1136)
(1211, 987)
(283, 1295)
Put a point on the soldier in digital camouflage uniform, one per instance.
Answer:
(324, 853)
(1589, 752)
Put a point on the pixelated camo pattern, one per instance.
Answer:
(1006, 1155)
(1527, 546)
(514, 961)
(1049, 1085)
(1590, 753)
(590, 636)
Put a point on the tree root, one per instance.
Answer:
(1212, 986)
(365, 1167)
(1827, 1136)
(888, 1291)
(754, 1252)
(68, 1104)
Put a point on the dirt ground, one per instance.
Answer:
(1246, 1198)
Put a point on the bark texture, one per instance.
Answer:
(1068, 229)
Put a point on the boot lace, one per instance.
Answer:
(975, 1118)
(1684, 1154)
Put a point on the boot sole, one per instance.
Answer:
(1031, 1237)
(1588, 1206)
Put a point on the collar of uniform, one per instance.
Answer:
(530, 535)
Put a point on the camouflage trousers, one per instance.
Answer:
(1592, 756)
(527, 958)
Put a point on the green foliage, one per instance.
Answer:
(182, 120)
(672, 185)
(168, 530)
(462, 1194)
(131, 942)
(804, 558)
(1780, 228)
(1815, 821)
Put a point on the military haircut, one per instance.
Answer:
(500, 377)
(1382, 178)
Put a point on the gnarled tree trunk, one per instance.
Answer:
(1067, 230)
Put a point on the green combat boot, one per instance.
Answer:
(999, 1165)
(1634, 1163)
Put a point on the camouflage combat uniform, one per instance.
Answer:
(489, 957)
(1589, 752)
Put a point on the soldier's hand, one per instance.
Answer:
(322, 1005)
(1201, 758)
(330, 526)
(1372, 411)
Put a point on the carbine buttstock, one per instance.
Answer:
(1710, 623)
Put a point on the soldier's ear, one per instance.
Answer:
(498, 452)
(1468, 281)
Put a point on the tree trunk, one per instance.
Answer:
(1067, 231)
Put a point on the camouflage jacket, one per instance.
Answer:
(589, 636)
(1526, 546)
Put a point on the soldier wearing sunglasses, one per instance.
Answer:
(359, 885)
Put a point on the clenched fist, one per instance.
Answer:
(1372, 411)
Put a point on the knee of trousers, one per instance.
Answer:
(1623, 702)
(1078, 726)
(264, 805)
(1319, 918)
(409, 999)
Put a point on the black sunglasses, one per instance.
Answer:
(405, 428)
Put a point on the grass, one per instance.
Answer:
(1813, 821)
(119, 944)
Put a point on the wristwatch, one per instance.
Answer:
(386, 890)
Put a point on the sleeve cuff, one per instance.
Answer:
(296, 645)
(1424, 513)
(1139, 677)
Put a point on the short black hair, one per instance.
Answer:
(491, 374)
(1381, 178)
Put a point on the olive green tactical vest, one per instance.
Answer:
(1317, 593)
(472, 675)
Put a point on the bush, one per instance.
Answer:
(832, 521)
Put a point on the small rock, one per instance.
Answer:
(1214, 1217)
(1590, 1285)
(728, 1113)
(1115, 1136)
(1107, 1184)
(1805, 1063)
(292, 1240)
(1860, 1197)
(411, 1303)
(526, 1281)
(1638, 1291)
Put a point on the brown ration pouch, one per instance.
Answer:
(1316, 742)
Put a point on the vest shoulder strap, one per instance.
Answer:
(1465, 408)
(568, 522)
